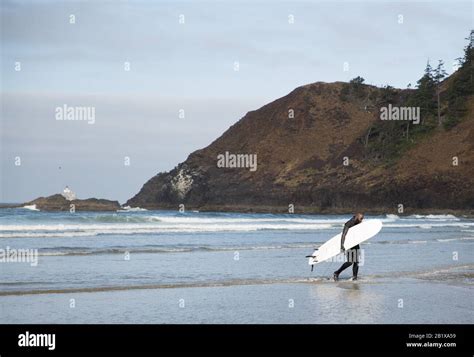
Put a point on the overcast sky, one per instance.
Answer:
(186, 66)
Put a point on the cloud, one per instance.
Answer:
(186, 66)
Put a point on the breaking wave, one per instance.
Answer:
(30, 207)
(183, 248)
(48, 225)
(61, 230)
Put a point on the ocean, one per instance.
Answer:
(195, 267)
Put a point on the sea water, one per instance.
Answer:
(172, 267)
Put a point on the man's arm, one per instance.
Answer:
(350, 223)
(343, 237)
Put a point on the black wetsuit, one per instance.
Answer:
(353, 253)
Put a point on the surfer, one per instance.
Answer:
(352, 254)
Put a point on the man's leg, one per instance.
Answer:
(355, 259)
(355, 270)
(343, 267)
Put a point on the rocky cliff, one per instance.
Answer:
(324, 148)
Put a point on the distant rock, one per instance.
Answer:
(59, 203)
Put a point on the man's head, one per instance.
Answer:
(359, 216)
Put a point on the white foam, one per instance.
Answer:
(31, 207)
(447, 239)
(443, 217)
(131, 209)
(455, 239)
(163, 223)
(62, 230)
(431, 225)
(45, 235)
(201, 220)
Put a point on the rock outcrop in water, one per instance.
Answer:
(60, 203)
(324, 148)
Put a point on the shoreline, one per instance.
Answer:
(267, 304)
(468, 213)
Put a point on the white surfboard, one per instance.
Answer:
(355, 235)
